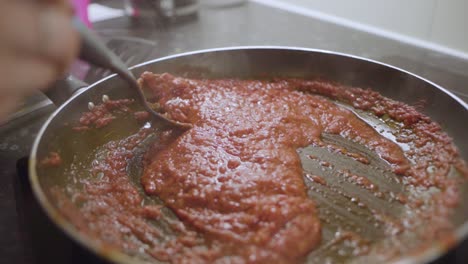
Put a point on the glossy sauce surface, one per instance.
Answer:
(235, 181)
(236, 176)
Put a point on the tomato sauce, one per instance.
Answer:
(236, 176)
(52, 160)
(102, 115)
(235, 179)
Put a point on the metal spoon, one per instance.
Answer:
(94, 51)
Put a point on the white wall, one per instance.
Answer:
(444, 22)
(450, 24)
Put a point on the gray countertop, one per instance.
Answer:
(248, 24)
(255, 24)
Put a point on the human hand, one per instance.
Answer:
(37, 46)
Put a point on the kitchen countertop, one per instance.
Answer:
(248, 24)
(256, 24)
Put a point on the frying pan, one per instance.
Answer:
(267, 62)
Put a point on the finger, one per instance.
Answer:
(65, 5)
(60, 42)
(22, 75)
(30, 29)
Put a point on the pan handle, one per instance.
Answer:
(63, 89)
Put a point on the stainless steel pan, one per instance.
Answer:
(266, 62)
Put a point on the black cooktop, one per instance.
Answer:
(28, 237)
(39, 236)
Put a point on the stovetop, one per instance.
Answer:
(28, 237)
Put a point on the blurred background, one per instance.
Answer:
(422, 36)
(441, 22)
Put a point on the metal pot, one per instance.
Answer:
(244, 62)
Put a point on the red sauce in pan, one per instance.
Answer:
(236, 176)
(235, 180)
(101, 115)
(52, 160)
(141, 116)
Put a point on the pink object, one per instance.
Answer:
(79, 68)
(130, 7)
(81, 9)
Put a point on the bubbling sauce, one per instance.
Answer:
(235, 179)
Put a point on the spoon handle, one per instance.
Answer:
(94, 51)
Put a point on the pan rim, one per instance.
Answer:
(117, 256)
